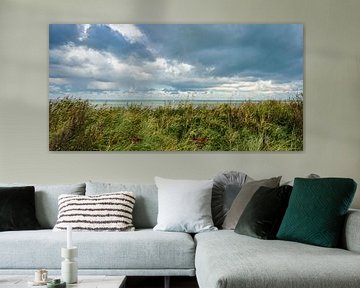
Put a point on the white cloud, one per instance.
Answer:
(248, 88)
(84, 31)
(82, 62)
(129, 31)
(58, 81)
(100, 85)
(168, 70)
(79, 68)
(74, 62)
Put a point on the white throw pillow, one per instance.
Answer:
(105, 212)
(184, 205)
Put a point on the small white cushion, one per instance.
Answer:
(105, 212)
(184, 205)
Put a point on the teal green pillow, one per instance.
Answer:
(316, 211)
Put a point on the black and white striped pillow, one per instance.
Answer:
(105, 212)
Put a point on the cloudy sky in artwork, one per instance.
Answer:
(200, 62)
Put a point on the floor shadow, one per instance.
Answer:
(158, 282)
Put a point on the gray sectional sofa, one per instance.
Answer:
(219, 259)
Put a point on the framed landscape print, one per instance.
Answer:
(176, 87)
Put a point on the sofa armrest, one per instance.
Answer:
(351, 234)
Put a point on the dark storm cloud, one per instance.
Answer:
(191, 85)
(264, 51)
(102, 37)
(60, 34)
(98, 37)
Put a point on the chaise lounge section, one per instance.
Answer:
(225, 259)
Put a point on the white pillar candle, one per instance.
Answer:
(69, 237)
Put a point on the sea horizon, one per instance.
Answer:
(161, 102)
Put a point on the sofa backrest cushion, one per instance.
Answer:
(146, 204)
(46, 200)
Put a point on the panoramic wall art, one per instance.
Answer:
(183, 87)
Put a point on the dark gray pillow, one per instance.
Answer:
(226, 187)
(17, 209)
(243, 198)
(46, 200)
(263, 214)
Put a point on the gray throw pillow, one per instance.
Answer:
(184, 205)
(226, 187)
(242, 199)
(46, 200)
(310, 176)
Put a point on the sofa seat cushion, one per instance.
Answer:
(226, 259)
(142, 249)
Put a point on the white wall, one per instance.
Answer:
(332, 91)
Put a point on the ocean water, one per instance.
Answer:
(156, 103)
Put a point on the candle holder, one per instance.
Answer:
(69, 272)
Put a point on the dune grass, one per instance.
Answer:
(76, 125)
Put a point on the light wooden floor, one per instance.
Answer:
(158, 282)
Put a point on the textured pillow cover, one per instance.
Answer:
(225, 189)
(243, 198)
(46, 200)
(17, 209)
(316, 211)
(263, 214)
(146, 205)
(106, 212)
(184, 205)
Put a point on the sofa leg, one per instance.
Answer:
(167, 282)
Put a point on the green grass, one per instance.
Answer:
(76, 125)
